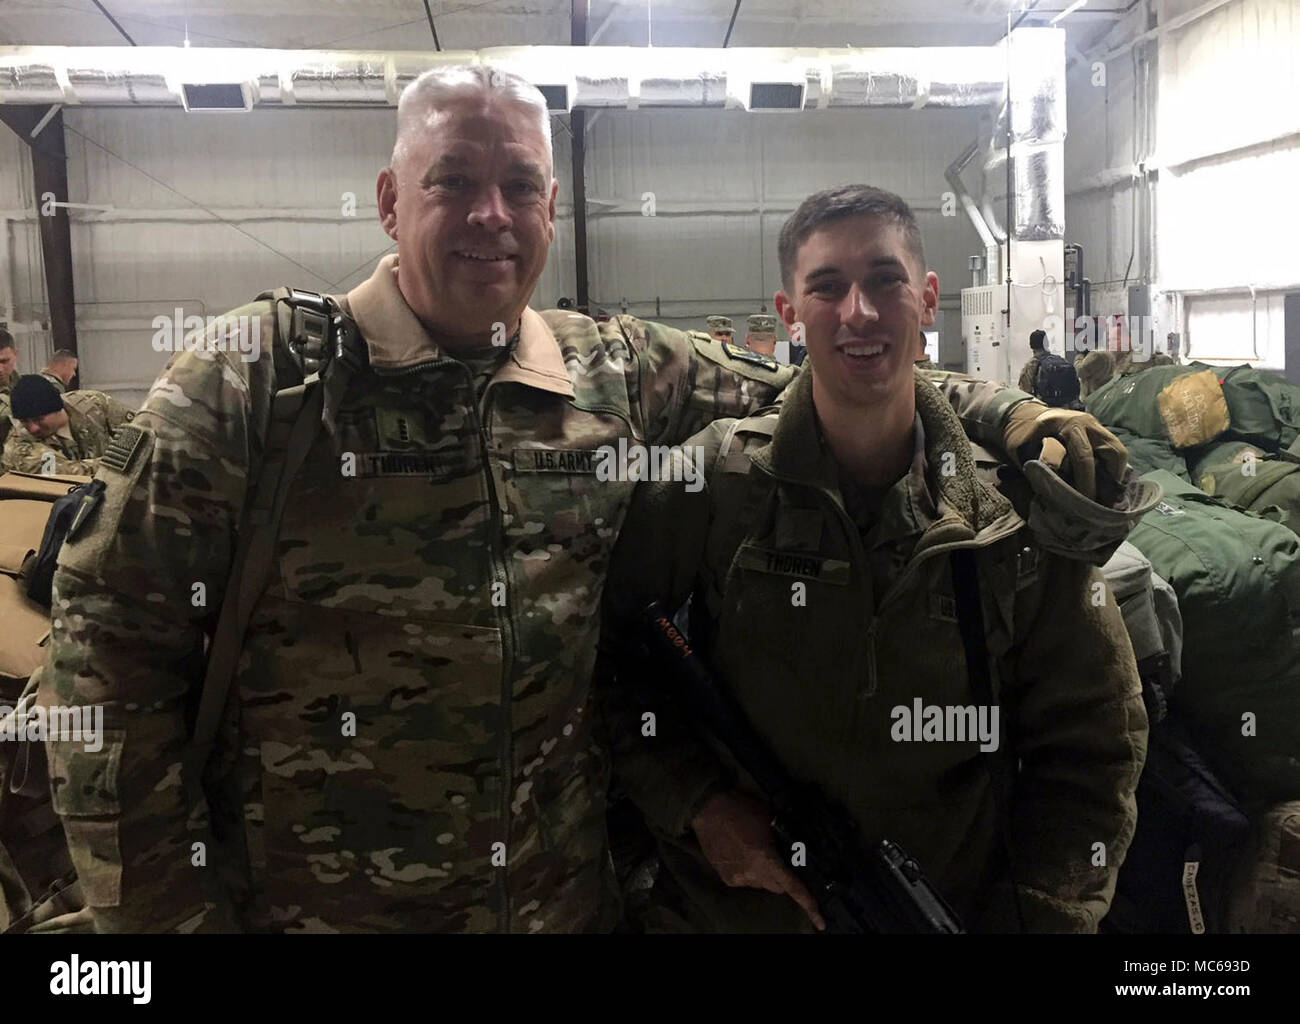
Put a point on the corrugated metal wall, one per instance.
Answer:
(1225, 119)
(1230, 155)
(208, 210)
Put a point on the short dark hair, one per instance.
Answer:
(1038, 339)
(832, 204)
(64, 355)
(6, 339)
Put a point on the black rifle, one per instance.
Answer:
(878, 890)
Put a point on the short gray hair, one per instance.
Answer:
(437, 87)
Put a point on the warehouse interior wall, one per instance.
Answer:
(1179, 163)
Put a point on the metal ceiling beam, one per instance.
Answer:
(578, 143)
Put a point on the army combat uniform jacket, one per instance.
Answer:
(93, 419)
(1029, 375)
(409, 742)
(6, 386)
(823, 632)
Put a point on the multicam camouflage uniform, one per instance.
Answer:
(6, 386)
(409, 741)
(1029, 374)
(56, 380)
(760, 335)
(93, 419)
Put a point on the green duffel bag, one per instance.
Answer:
(1245, 475)
(1183, 406)
(1263, 406)
(1149, 454)
(1237, 577)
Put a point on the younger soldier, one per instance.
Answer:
(64, 434)
(846, 515)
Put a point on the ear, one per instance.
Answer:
(386, 194)
(550, 211)
(930, 299)
(784, 308)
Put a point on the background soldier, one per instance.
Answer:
(8, 378)
(720, 328)
(62, 369)
(63, 434)
(760, 336)
(1029, 374)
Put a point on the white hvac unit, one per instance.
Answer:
(982, 332)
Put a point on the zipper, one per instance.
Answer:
(500, 574)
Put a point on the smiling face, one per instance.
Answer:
(471, 204)
(862, 297)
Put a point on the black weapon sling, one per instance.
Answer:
(983, 681)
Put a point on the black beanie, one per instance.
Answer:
(34, 396)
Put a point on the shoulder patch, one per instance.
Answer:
(746, 356)
(123, 449)
(742, 361)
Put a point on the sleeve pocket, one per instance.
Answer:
(84, 783)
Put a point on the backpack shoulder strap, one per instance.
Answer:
(329, 349)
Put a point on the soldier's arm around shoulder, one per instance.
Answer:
(685, 379)
(664, 764)
(138, 587)
(1080, 729)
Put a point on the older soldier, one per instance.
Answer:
(8, 378)
(56, 433)
(847, 515)
(408, 740)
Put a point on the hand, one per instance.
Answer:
(735, 834)
(1086, 454)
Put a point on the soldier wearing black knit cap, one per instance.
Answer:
(63, 434)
